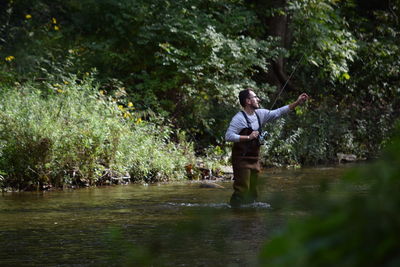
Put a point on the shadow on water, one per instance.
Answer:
(175, 224)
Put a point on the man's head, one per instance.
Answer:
(248, 98)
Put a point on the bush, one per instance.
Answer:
(70, 133)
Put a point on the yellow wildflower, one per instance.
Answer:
(56, 85)
(54, 21)
(121, 107)
(28, 16)
(101, 92)
(66, 83)
(127, 115)
(130, 104)
(60, 91)
(56, 28)
(10, 58)
(139, 120)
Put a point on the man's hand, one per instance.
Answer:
(300, 100)
(253, 135)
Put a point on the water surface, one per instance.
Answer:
(176, 224)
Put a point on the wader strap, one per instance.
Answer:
(259, 123)
(249, 123)
(247, 120)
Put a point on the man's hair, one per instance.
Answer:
(243, 95)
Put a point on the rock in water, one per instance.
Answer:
(346, 157)
(227, 169)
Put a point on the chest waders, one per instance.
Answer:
(246, 166)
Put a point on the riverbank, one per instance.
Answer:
(204, 178)
(195, 174)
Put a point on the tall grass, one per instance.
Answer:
(70, 133)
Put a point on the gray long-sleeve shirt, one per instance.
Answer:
(239, 122)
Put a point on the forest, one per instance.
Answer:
(97, 89)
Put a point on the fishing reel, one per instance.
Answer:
(261, 137)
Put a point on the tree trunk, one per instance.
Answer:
(277, 26)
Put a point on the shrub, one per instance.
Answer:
(70, 133)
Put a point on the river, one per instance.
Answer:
(174, 224)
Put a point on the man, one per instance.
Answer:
(244, 131)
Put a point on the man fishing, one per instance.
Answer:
(245, 131)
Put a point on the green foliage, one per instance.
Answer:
(187, 60)
(308, 137)
(375, 85)
(279, 149)
(215, 156)
(322, 35)
(31, 35)
(351, 228)
(318, 131)
(212, 74)
(71, 133)
(353, 81)
(321, 139)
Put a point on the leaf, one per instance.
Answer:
(314, 63)
(346, 75)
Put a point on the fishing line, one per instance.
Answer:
(283, 87)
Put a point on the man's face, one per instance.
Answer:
(253, 100)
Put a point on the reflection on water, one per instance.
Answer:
(175, 224)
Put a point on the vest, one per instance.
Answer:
(247, 154)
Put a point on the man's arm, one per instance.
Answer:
(271, 115)
(253, 135)
(231, 136)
